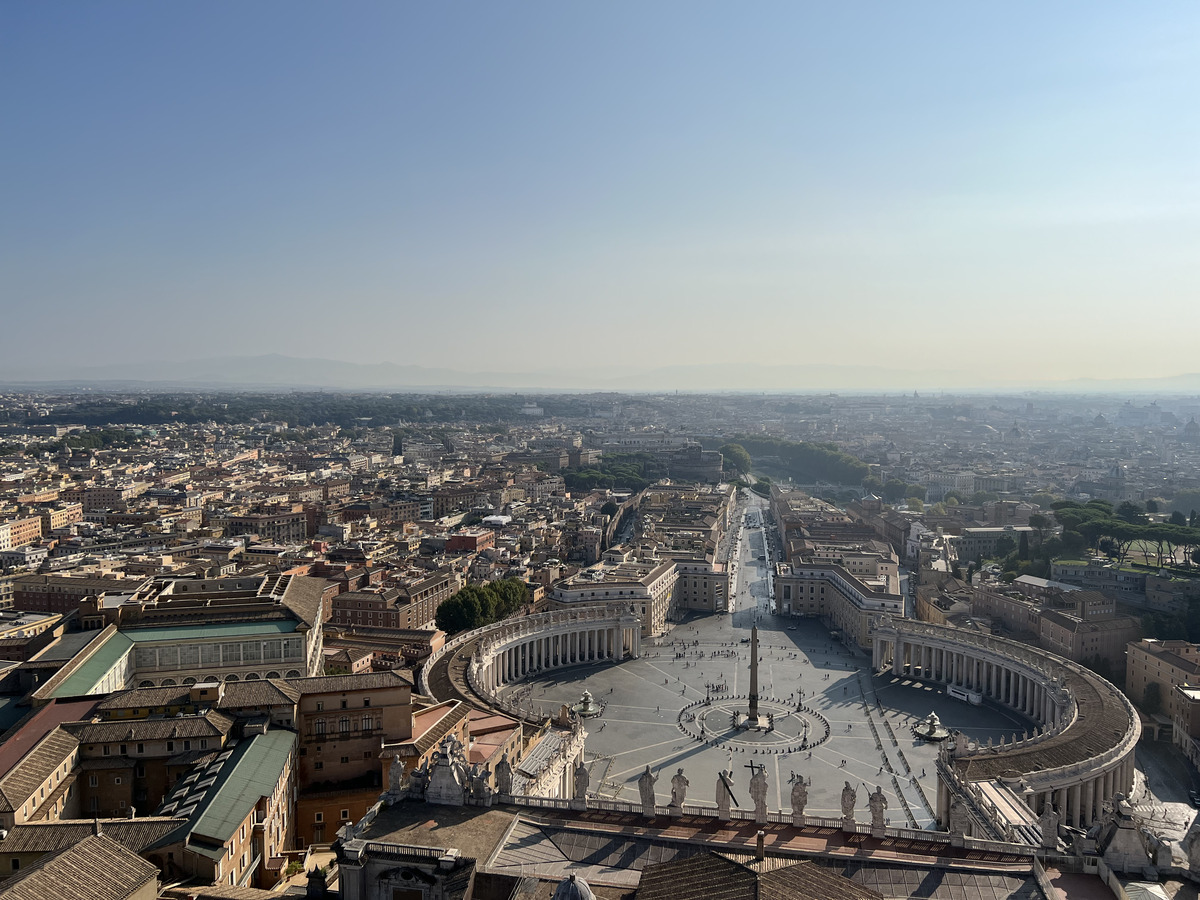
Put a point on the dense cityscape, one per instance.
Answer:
(363, 644)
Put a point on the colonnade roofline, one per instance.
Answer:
(515, 649)
(1079, 759)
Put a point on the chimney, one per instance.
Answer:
(760, 852)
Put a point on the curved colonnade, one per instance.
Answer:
(515, 649)
(1076, 761)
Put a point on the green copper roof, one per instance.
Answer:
(84, 679)
(250, 773)
(215, 630)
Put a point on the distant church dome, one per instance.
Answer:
(573, 888)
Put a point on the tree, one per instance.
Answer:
(1131, 512)
(872, 485)
(1151, 506)
(916, 490)
(1178, 518)
(894, 490)
(1041, 527)
(915, 504)
(1005, 545)
(1043, 499)
(609, 509)
(736, 458)
(1023, 546)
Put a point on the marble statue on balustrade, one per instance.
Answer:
(878, 805)
(646, 783)
(679, 786)
(725, 798)
(396, 775)
(504, 775)
(849, 801)
(582, 778)
(480, 788)
(758, 793)
(1048, 821)
(799, 800)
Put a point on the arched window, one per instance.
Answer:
(252, 676)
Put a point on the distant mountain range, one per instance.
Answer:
(277, 372)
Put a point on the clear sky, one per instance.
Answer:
(524, 185)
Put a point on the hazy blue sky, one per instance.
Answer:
(528, 185)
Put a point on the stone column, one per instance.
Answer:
(1089, 803)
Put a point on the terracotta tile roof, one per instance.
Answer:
(340, 684)
(97, 868)
(51, 837)
(34, 768)
(211, 724)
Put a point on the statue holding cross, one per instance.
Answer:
(725, 794)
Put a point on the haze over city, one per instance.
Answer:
(960, 195)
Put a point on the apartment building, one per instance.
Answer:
(829, 592)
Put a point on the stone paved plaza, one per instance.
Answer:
(654, 707)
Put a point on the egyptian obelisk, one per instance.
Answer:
(753, 711)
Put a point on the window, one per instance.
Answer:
(367, 723)
(95, 803)
(187, 745)
(345, 703)
(318, 765)
(117, 780)
(170, 746)
(319, 726)
(124, 749)
(106, 749)
(93, 781)
(366, 701)
(141, 748)
(344, 724)
(345, 815)
(319, 817)
(203, 743)
(345, 759)
(16, 864)
(320, 705)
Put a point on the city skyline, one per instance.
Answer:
(541, 188)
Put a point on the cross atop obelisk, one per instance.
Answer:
(753, 711)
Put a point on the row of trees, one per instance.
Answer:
(1116, 532)
(805, 461)
(477, 605)
(893, 490)
(617, 472)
